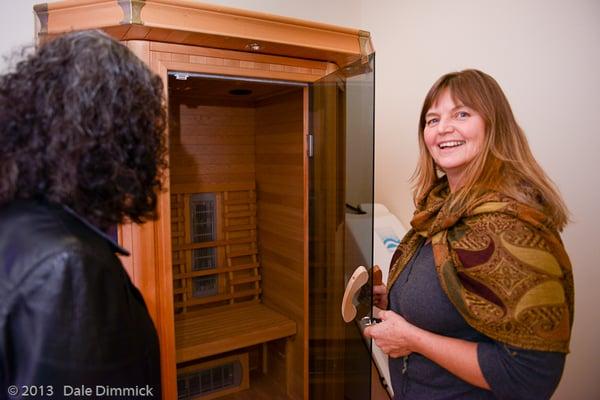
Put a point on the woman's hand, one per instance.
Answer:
(380, 297)
(394, 335)
(397, 337)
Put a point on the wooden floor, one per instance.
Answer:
(261, 388)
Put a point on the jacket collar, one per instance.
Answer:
(110, 239)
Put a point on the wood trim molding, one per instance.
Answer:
(234, 63)
(306, 228)
(165, 270)
(189, 22)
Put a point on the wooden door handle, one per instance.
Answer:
(357, 280)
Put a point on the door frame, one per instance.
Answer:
(150, 243)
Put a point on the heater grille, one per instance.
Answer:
(201, 380)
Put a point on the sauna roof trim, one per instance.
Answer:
(192, 23)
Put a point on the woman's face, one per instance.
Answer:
(453, 135)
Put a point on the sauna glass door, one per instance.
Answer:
(341, 228)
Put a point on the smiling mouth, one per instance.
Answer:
(451, 144)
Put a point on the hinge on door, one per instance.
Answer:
(132, 10)
(310, 145)
(366, 47)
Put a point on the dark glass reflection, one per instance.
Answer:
(341, 229)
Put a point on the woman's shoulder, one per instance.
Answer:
(519, 199)
(505, 222)
(33, 232)
(29, 226)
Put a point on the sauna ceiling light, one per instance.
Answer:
(181, 76)
(240, 92)
(253, 47)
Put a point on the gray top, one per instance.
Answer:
(512, 373)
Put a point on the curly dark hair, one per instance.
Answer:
(82, 124)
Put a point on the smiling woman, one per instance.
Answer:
(480, 291)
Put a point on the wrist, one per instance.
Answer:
(415, 336)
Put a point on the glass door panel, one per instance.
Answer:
(341, 229)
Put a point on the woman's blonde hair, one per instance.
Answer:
(506, 163)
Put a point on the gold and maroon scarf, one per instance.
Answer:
(501, 263)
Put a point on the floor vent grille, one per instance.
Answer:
(213, 378)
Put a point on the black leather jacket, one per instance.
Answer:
(70, 318)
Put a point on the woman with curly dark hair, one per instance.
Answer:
(81, 150)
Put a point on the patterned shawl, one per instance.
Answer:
(501, 263)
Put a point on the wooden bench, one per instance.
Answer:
(227, 328)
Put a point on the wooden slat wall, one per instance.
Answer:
(237, 264)
(280, 194)
(236, 63)
(211, 145)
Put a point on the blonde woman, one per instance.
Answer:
(480, 293)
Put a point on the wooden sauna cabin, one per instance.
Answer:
(270, 138)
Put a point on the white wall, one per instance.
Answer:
(546, 56)
(16, 27)
(337, 12)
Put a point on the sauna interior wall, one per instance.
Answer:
(280, 206)
(216, 141)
